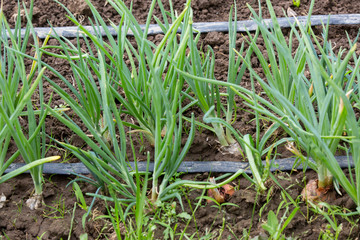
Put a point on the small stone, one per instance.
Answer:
(2, 200)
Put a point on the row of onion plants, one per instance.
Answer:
(17, 86)
(311, 93)
(108, 92)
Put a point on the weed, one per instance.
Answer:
(20, 205)
(57, 211)
(275, 227)
(41, 236)
(327, 234)
(296, 3)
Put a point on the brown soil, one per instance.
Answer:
(18, 222)
(247, 203)
(54, 220)
(247, 212)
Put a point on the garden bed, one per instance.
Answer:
(61, 216)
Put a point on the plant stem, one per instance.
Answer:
(229, 137)
(37, 185)
(325, 177)
(154, 190)
(219, 131)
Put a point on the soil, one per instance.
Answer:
(246, 202)
(54, 220)
(18, 222)
(244, 210)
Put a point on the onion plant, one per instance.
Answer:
(311, 111)
(208, 99)
(148, 90)
(131, 80)
(274, 60)
(352, 127)
(313, 115)
(17, 86)
(349, 103)
(209, 95)
(254, 150)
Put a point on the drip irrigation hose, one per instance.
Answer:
(204, 27)
(285, 164)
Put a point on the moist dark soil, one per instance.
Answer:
(244, 213)
(18, 222)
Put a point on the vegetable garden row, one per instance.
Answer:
(127, 90)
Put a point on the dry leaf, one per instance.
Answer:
(233, 149)
(291, 13)
(220, 194)
(313, 193)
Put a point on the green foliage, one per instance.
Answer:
(315, 121)
(57, 210)
(254, 151)
(17, 87)
(144, 225)
(152, 96)
(79, 196)
(296, 3)
(208, 96)
(273, 225)
(82, 203)
(200, 77)
(152, 91)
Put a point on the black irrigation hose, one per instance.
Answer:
(204, 27)
(285, 164)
